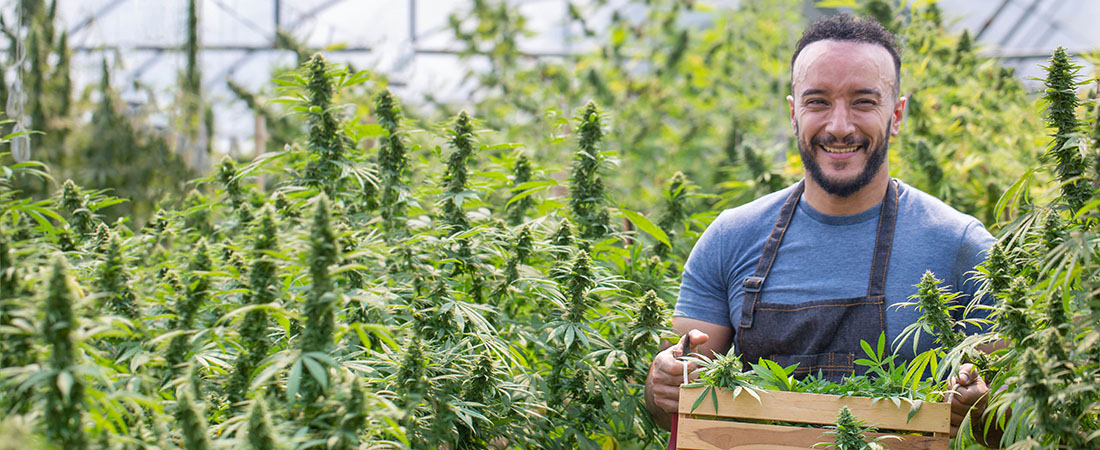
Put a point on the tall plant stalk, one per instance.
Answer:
(587, 196)
(63, 417)
(1061, 114)
(263, 288)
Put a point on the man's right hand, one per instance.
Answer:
(666, 375)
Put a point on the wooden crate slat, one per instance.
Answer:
(697, 434)
(819, 409)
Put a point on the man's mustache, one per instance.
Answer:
(832, 141)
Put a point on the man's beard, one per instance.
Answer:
(844, 188)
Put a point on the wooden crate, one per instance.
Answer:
(704, 429)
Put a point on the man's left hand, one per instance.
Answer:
(970, 395)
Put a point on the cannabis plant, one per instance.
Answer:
(113, 281)
(260, 433)
(587, 196)
(190, 300)
(521, 200)
(192, 425)
(849, 433)
(64, 408)
(393, 162)
(320, 305)
(1061, 103)
(263, 288)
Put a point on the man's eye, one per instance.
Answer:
(815, 101)
(866, 102)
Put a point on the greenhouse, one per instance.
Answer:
(550, 224)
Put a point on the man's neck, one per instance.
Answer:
(862, 200)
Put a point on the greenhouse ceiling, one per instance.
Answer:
(411, 43)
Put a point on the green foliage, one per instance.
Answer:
(1060, 106)
(456, 177)
(260, 434)
(187, 306)
(192, 426)
(326, 144)
(849, 433)
(1040, 276)
(321, 303)
(963, 140)
(262, 289)
(393, 162)
(64, 409)
(114, 282)
(883, 378)
(518, 206)
(587, 195)
(405, 313)
(936, 305)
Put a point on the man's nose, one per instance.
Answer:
(839, 124)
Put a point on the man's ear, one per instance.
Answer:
(897, 114)
(790, 104)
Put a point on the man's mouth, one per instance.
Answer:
(841, 150)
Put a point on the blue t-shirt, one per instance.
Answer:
(827, 257)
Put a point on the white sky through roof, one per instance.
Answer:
(126, 32)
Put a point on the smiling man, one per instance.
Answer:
(804, 274)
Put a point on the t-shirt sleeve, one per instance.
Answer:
(972, 251)
(704, 286)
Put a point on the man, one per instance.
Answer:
(804, 274)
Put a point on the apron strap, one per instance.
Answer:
(884, 241)
(753, 284)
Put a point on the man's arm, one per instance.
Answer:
(662, 385)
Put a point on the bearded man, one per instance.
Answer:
(804, 274)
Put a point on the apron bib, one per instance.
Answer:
(820, 335)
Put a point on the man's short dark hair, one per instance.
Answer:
(846, 27)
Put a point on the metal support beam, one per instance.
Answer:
(211, 48)
(90, 19)
(412, 22)
(260, 48)
(1031, 53)
(991, 19)
(1023, 18)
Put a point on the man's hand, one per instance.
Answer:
(970, 396)
(665, 376)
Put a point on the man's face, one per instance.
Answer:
(844, 110)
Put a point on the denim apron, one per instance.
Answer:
(822, 336)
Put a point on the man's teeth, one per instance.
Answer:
(839, 149)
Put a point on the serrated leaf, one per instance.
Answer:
(645, 225)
